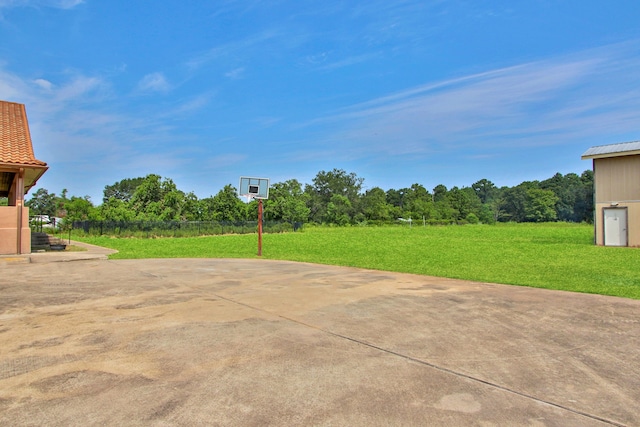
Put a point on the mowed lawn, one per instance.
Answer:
(554, 255)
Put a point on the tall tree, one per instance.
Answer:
(42, 203)
(61, 202)
(226, 206)
(122, 190)
(567, 189)
(512, 206)
(157, 199)
(339, 210)
(439, 193)
(191, 208)
(80, 209)
(583, 208)
(464, 202)
(418, 203)
(148, 194)
(514, 201)
(116, 210)
(396, 197)
(485, 190)
(287, 202)
(326, 185)
(374, 206)
(539, 205)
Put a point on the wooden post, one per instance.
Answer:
(259, 227)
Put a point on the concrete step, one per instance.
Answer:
(44, 241)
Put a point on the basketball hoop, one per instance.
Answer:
(255, 188)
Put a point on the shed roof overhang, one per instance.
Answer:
(612, 150)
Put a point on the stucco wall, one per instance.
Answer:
(8, 232)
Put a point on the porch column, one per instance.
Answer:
(19, 195)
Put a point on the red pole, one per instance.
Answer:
(259, 227)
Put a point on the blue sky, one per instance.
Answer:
(399, 92)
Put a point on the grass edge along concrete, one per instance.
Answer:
(557, 256)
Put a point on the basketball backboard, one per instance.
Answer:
(257, 188)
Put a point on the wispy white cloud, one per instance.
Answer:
(236, 73)
(10, 3)
(67, 4)
(318, 58)
(13, 87)
(58, 4)
(194, 104)
(352, 60)
(218, 161)
(81, 87)
(238, 46)
(154, 82)
(555, 101)
(75, 120)
(268, 121)
(83, 128)
(45, 84)
(48, 96)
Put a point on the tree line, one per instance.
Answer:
(333, 197)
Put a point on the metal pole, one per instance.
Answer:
(259, 227)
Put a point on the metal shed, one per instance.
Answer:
(616, 174)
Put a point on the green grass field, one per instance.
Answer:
(554, 256)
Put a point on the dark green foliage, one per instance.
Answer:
(334, 197)
(158, 199)
(374, 206)
(79, 209)
(418, 203)
(485, 190)
(155, 229)
(324, 206)
(463, 202)
(539, 205)
(287, 202)
(42, 203)
(226, 206)
(122, 190)
(575, 196)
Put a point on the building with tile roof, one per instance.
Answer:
(19, 171)
(616, 177)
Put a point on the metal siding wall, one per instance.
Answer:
(633, 222)
(617, 179)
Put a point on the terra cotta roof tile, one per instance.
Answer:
(15, 139)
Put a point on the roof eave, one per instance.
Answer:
(32, 173)
(34, 179)
(6, 167)
(607, 155)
